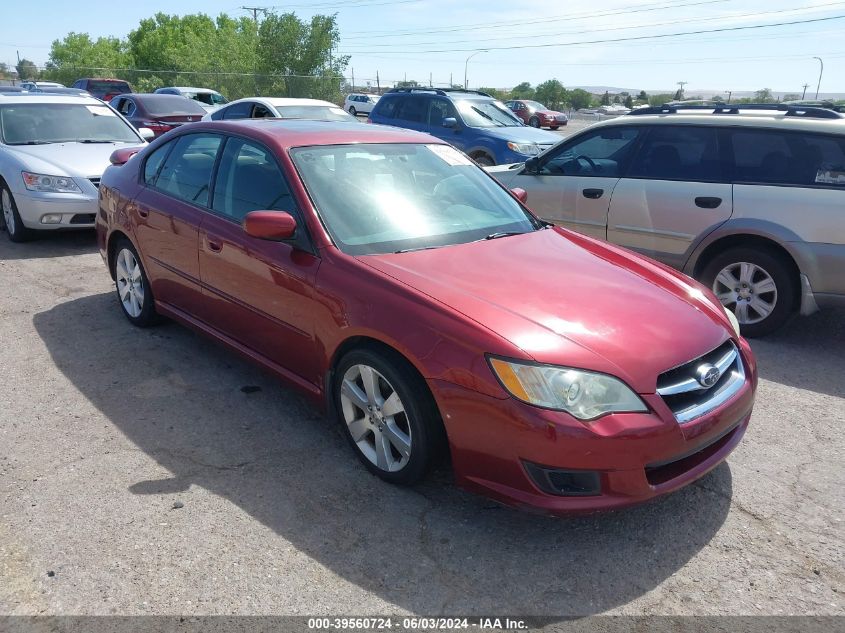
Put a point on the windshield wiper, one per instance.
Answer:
(498, 234)
(96, 140)
(418, 248)
(33, 143)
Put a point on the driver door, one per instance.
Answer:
(573, 183)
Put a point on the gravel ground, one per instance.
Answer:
(138, 476)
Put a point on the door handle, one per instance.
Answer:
(707, 202)
(593, 194)
(214, 245)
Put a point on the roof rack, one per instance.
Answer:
(439, 91)
(813, 112)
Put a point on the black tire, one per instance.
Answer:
(420, 415)
(554, 127)
(147, 315)
(785, 280)
(353, 111)
(534, 122)
(483, 159)
(16, 231)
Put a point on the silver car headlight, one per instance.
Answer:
(529, 149)
(54, 184)
(585, 395)
(732, 318)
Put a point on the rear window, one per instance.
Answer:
(314, 113)
(386, 107)
(107, 86)
(166, 105)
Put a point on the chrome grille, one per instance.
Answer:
(690, 395)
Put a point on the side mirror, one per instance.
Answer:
(450, 121)
(146, 133)
(270, 225)
(532, 165)
(520, 194)
(121, 156)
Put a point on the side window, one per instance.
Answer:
(126, 107)
(153, 164)
(412, 109)
(238, 111)
(261, 112)
(438, 110)
(771, 157)
(186, 173)
(79, 84)
(679, 153)
(249, 179)
(603, 153)
(219, 114)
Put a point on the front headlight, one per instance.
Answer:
(584, 394)
(54, 184)
(732, 318)
(529, 149)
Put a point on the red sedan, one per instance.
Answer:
(535, 114)
(394, 282)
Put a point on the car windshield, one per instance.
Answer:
(208, 98)
(384, 198)
(477, 113)
(535, 105)
(169, 105)
(41, 123)
(315, 113)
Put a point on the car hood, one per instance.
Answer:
(565, 299)
(522, 134)
(551, 112)
(87, 160)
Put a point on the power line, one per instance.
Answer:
(624, 39)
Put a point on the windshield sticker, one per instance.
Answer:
(450, 155)
(100, 110)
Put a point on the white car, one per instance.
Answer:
(34, 86)
(53, 151)
(209, 99)
(357, 103)
(280, 108)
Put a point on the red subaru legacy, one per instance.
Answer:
(393, 281)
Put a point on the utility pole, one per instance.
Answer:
(378, 84)
(821, 70)
(804, 94)
(429, 80)
(729, 96)
(255, 11)
(681, 91)
(353, 80)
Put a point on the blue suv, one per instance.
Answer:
(474, 122)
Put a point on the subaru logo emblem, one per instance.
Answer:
(707, 375)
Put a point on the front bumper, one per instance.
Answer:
(636, 456)
(75, 211)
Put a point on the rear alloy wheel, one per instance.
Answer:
(353, 111)
(756, 286)
(11, 218)
(133, 289)
(534, 122)
(388, 416)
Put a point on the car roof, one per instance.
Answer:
(288, 133)
(123, 81)
(278, 102)
(764, 119)
(39, 97)
(187, 89)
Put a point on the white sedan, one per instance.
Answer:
(280, 108)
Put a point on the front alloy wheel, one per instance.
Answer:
(11, 218)
(376, 418)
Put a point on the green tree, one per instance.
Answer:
(551, 93)
(679, 94)
(605, 99)
(643, 96)
(299, 53)
(501, 95)
(792, 97)
(579, 98)
(764, 96)
(660, 99)
(629, 102)
(77, 55)
(718, 98)
(522, 91)
(26, 70)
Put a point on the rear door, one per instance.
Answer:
(257, 292)
(412, 113)
(676, 190)
(576, 179)
(168, 213)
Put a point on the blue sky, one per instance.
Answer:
(525, 41)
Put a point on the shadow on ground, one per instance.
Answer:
(432, 549)
(49, 244)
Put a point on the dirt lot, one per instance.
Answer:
(138, 476)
